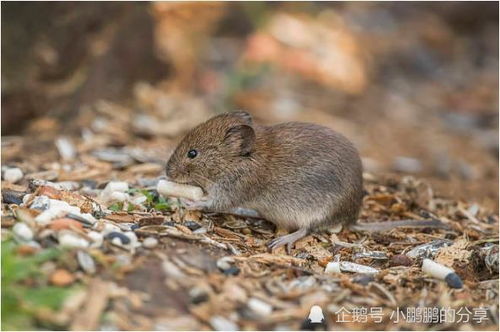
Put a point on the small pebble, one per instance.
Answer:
(96, 238)
(47, 216)
(473, 209)
(198, 295)
(27, 197)
(454, 281)
(91, 184)
(260, 307)
(115, 191)
(122, 238)
(34, 244)
(114, 186)
(86, 262)
(363, 279)
(71, 240)
(61, 278)
(64, 223)
(232, 271)
(118, 196)
(84, 218)
(400, 260)
(13, 175)
(12, 197)
(192, 225)
(108, 228)
(147, 182)
(201, 230)
(150, 242)
(407, 165)
(139, 200)
(68, 185)
(246, 231)
(124, 260)
(40, 203)
(66, 148)
(22, 231)
(26, 250)
(220, 323)
(224, 263)
(134, 227)
(131, 236)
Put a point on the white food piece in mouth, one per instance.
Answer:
(169, 188)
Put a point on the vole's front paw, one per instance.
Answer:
(201, 204)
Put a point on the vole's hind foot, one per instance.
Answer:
(288, 240)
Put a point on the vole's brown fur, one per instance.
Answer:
(302, 177)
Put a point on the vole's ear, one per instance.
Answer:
(245, 116)
(241, 138)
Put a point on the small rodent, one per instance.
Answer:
(300, 176)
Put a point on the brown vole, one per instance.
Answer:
(302, 177)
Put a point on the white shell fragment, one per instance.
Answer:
(90, 218)
(357, 268)
(118, 196)
(442, 272)
(220, 323)
(336, 267)
(332, 267)
(117, 241)
(56, 210)
(13, 175)
(168, 188)
(150, 242)
(225, 263)
(139, 200)
(22, 231)
(115, 191)
(71, 240)
(260, 307)
(108, 228)
(86, 262)
(96, 238)
(371, 254)
(116, 186)
(39, 202)
(428, 250)
(66, 148)
(134, 243)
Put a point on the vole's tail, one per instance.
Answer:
(388, 225)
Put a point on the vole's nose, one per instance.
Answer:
(172, 173)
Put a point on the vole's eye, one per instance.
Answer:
(192, 153)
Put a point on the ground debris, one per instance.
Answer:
(87, 209)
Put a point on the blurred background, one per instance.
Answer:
(414, 85)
